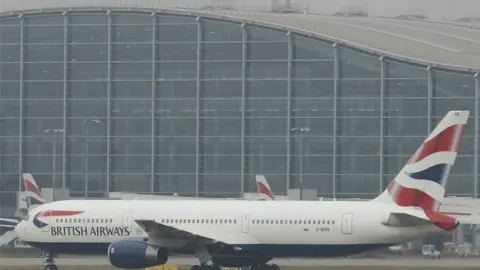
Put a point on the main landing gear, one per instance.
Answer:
(253, 267)
(50, 260)
(206, 267)
(265, 267)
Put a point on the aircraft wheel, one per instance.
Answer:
(196, 267)
(274, 267)
(51, 267)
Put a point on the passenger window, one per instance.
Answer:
(281, 221)
(323, 221)
(309, 222)
(333, 222)
(276, 221)
(328, 221)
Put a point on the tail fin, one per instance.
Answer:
(32, 192)
(263, 188)
(422, 181)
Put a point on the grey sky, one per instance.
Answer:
(436, 9)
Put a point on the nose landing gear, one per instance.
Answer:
(50, 260)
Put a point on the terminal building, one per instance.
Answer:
(196, 102)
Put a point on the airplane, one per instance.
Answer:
(238, 233)
(33, 197)
(263, 189)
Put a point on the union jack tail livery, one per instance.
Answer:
(263, 188)
(421, 183)
(32, 192)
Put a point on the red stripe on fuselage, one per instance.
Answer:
(58, 213)
(455, 213)
(404, 196)
(31, 187)
(447, 140)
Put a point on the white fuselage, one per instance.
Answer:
(291, 225)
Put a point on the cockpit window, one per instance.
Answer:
(26, 217)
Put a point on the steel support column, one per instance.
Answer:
(382, 102)
(289, 111)
(197, 137)
(429, 101)
(154, 85)
(109, 98)
(475, 142)
(65, 92)
(335, 95)
(20, 130)
(242, 139)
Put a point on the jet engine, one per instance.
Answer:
(134, 255)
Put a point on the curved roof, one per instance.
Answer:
(433, 43)
(453, 46)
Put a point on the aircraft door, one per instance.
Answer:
(245, 223)
(45, 217)
(128, 219)
(347, 221)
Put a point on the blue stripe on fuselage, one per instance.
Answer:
(270, 249)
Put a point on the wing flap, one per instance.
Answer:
(158, 230)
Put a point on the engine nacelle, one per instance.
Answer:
(134, 255)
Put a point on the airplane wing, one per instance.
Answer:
(8, 222)
(156, 229)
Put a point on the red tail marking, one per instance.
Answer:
(442, 221)
(261, 188)
(404, 196)
(30, 187)
(444, 141)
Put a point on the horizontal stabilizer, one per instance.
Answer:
(405, 220)
(421, 218)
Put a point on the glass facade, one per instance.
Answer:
(197, 106)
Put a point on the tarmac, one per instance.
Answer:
(390, 261)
